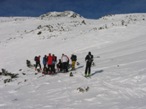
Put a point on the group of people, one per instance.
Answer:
(50, 62)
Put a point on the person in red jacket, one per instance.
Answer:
(49, 62)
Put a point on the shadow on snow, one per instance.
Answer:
(80, 67)
(99, 71)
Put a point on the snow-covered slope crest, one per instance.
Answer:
(70, 14)
(85, 33)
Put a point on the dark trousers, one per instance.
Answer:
(88, 68)
(38, 64)
(50, 68)
(59, 67)
(53, 68)
(65, 66)
(45, 66)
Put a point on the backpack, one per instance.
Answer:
(35, 58)
(74, 58)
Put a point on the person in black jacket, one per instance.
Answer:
(59, 66)
(73, 59)
(37, 60)
(89, 60)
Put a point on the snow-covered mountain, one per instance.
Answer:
(55, 14)
(117, 42)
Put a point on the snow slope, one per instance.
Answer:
(117, 42)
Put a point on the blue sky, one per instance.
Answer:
(87, 8)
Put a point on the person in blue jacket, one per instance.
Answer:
(45, 61)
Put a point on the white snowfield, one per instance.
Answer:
(118, 43)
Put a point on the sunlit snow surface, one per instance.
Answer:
(117, 42)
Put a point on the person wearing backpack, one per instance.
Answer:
(73, 59)
(37, 60)
(89, 60)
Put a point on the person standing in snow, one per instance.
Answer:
(65, 62)
(89, 60)
(59, 66)
(37, 60)
(54, 60)
(45, 63)
(73, 59)
(49, 62)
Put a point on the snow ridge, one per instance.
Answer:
(70, 14)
